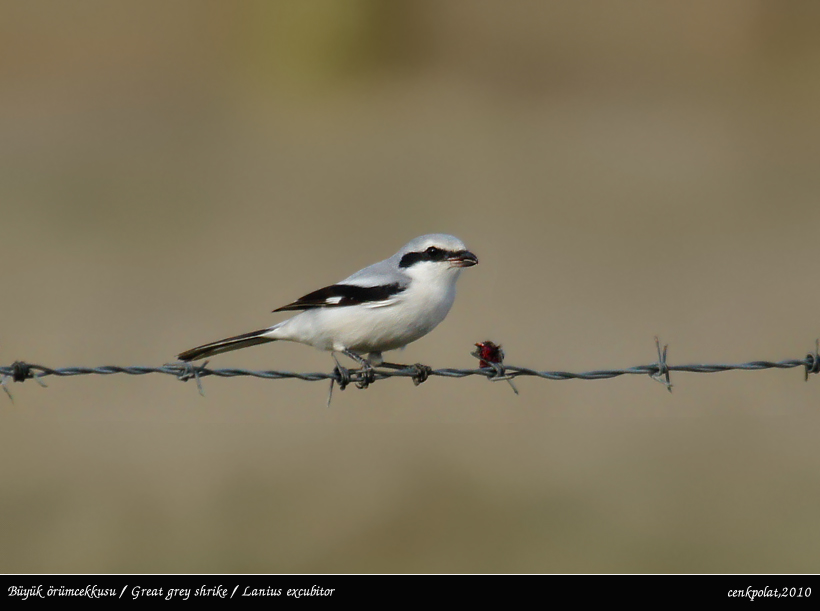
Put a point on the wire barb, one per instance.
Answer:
(490, 354)
(422, 372)
(813, 360)
(4, 383)
(341, 375)
(662, 373)
(188, 371)
(20, 371)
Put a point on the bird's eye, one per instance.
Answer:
(433, 251)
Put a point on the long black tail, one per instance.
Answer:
(226, 345)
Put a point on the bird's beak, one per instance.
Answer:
(463, 259)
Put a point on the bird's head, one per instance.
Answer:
(435, 255)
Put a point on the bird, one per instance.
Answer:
(382, 307)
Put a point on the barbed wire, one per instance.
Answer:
(489, 354)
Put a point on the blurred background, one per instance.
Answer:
(172, 172)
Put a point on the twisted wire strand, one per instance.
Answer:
(20, 371)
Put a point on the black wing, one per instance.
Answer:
(338, 295)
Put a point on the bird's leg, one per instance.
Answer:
(359, 359)
(395, 366)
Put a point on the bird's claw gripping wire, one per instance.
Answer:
(490, 354)
(813, 360)
(365, 375)
(662, 374)
(343, 376)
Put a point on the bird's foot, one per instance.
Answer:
(366, 375)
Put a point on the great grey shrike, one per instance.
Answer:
(382, 307)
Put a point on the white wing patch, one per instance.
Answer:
(380, 304)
